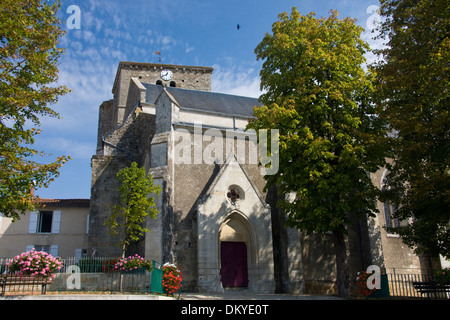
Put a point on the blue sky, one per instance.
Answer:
(187, 32)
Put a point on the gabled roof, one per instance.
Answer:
(231, 161)
(211, 102)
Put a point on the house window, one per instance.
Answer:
(44, 248)
(51, 249)
(388, 207)
(389, 212)
(45, 222)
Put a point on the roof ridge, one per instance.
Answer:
(202, 91)
(211, 102)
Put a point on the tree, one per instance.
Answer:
(318, 96)
(413, 92)
(129, 216)
(29, 33)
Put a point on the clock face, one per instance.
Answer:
(166, 74)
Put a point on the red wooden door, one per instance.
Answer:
(233, 271)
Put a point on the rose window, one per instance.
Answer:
(233, 195)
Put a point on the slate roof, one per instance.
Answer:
(152, 92)
(211, 102)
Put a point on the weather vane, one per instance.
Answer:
(159, 54)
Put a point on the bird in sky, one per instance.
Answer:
(238, 26)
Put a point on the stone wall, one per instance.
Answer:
(105, 123)
(192, 182)
(184, 188)
(188, 77)
(214, 211)
(101, 282)
(388, 250)
(120, 148)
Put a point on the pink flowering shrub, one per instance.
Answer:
(33, 263)
(132, 263)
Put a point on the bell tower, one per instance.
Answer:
(167, 75)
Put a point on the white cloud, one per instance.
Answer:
(231, 81)
(188, 49)
(165, 40)
(91, 22)
(374, 43)
(77, 149)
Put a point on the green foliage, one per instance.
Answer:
(29, 33)
(442, 276)
(91, 265)
(135, 206)
(318, 96)
(413, 93)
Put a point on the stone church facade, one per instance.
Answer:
(215, 219)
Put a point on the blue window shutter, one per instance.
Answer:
(32, 226)
(54, 250)
(56, 221)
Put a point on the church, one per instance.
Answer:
(215, 221)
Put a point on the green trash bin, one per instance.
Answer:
(383, 292)
(157, 277)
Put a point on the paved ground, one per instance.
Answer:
(105, 297)
(233, 295)
(229, 294)
(245, 295)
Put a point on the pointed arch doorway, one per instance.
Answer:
(235, 242)
(234, 269)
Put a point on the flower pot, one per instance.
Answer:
(135, 271)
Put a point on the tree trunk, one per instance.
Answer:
(342, 277)
(124, 248)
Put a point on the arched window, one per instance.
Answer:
(173, 84)
(389, 213)
(159, 82)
